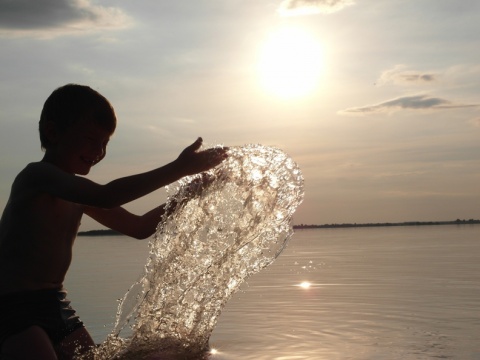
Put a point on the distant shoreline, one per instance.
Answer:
(406, 223)
(324, 226)
(106, 232)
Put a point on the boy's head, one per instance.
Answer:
(70, 104)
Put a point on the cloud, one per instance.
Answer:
(49, 18)
(308, 7)
(400, 76)
(415, 102)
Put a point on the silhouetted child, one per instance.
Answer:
(41, 219)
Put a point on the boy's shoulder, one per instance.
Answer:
(30, 170)
(29, 186)
(36, 168)
(33, 166)
(38, 165)
(30, 175)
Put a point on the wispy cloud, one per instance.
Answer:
(415, 102)
(400, 75)
(50, 18)
(308, 7)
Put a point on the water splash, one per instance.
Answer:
(235, 224)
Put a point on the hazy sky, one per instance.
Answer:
(377, 101)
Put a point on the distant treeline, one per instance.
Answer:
(107, 232)
(324, 226)
(407, 223)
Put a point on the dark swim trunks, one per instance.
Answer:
(49, 309)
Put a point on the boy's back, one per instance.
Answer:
(37, 231)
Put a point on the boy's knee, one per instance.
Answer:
(39, 345)
(77, 343)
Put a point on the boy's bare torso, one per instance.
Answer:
(37, 232)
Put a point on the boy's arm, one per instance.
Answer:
(121, 220)
(144, 226)
(48, 178)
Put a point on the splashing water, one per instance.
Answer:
(237, 222)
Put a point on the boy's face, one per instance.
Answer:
(80, 147)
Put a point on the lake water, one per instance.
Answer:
(375, 293)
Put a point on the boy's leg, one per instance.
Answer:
(30, 344)
(78, 342)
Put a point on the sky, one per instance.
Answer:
(378, 102)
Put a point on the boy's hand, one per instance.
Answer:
(191, 161)
(197, 185)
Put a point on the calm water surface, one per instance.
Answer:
(375, 293)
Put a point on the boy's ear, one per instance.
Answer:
(50, 132)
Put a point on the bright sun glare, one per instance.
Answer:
(305, 285)
(291, 63)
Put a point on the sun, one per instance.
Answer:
(291, 63)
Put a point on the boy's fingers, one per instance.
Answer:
(196, 145)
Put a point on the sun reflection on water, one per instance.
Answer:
(305, 285)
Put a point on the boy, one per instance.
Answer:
(42, 216)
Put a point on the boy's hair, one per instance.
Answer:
(71, 103)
